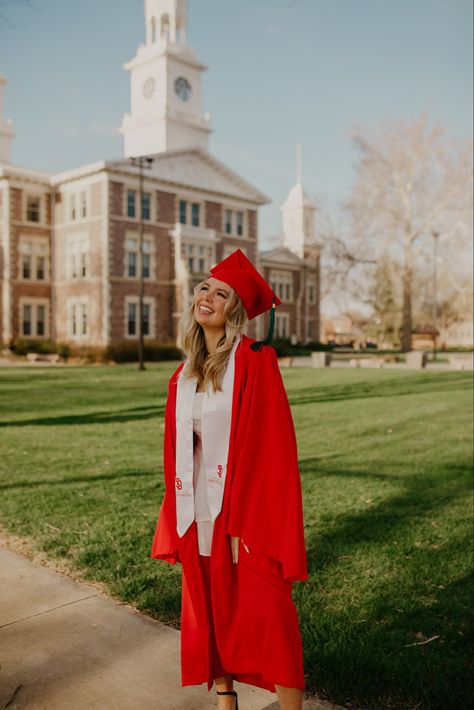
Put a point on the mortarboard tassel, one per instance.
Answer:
(258, 343)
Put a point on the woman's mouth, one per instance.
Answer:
(205, 310)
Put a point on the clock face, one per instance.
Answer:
(182, 88)
(149, 88)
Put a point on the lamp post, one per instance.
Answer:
(434, 309)
(141, 162)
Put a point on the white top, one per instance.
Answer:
(202, 513)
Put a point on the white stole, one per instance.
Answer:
(215, 428)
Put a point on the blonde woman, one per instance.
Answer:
(232, 510)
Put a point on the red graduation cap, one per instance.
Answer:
(255, 294)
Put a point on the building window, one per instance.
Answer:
(182, 212)
(132, 258)
(26, 319)
(282, 284)
(146, 319)
(83, 311)
(132, 264)
(131, 310)
(40, 273)
(78, 258)
(26, 266)
(311, 291)
(234, 222)
(190, 213)
(33, 318)
(146, 266)
(239, 220)
(131, 203)
(72, 207)
(33, 209)
(197, 257)
(146, 205)
(282, 325)
(78, 323)
(33, 258)
(83, 204)
(132, 319)
(228, 221)
(195, 214)
(40, 320)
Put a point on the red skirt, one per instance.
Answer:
(237, 619)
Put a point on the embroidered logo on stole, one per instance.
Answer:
(215, 434)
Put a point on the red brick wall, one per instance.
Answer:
(20, 227)
(213, 216)
(166, 207)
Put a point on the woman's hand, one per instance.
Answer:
(234, 546)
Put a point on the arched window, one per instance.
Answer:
(165, 26)
(153, 30)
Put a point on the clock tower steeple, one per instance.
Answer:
(165, 78)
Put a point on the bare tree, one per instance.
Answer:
(411, 183)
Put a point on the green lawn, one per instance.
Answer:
(386, 461)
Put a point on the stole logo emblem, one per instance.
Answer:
(220, 470)
(179, 484)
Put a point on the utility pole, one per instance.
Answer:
(141, 162)
(434, 309)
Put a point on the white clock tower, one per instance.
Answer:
(165, 77)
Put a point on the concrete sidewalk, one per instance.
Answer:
(66, 646)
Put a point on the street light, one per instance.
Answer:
(434, 309)
(141, 162)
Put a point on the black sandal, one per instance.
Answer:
(230, 692)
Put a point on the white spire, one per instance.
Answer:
(299, 169)
(298, 214)
(6, 129)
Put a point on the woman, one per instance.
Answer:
(232, 510)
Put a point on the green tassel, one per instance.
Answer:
(258, 343)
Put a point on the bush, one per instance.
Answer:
(24, 345)
(153, 352)
(284, 348)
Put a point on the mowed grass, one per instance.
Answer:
(385, 459)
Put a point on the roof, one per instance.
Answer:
(281, 255)
(187, 168)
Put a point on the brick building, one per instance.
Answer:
(69, 241)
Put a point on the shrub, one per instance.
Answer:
(24, 345)
(153, 352)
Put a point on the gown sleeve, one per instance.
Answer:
(165, 540)
(265, 508)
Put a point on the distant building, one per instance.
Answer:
(457, 334)
(69, 241)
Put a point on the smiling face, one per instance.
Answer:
(209, 303)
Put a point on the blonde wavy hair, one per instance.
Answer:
(202, 365)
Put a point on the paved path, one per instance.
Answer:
(66, 646)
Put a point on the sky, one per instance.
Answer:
(280, 72)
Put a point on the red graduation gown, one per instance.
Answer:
(255, 622)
